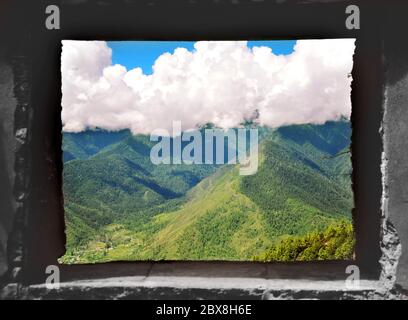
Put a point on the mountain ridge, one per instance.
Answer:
(117, 209)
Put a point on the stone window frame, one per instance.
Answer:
(37, 239)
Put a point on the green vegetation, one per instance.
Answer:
(119, 206)
(335, 243)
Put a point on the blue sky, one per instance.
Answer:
(132, 54)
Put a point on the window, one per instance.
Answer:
(209, 150)
(44, 235)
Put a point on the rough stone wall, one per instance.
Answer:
(395, 169)
(7, 204)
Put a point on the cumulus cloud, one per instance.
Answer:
(219, 82)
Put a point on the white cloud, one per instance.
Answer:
(220, 82)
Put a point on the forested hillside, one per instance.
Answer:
(119, 206)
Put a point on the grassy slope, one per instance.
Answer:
(217, 222)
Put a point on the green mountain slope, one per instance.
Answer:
(85, 144)
(335, 243)
(119, 181)
(121, 207)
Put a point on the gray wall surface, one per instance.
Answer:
(7, 107)
(395, 205)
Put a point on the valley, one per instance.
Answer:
(121, 207)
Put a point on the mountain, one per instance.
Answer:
(86, 144)
(119, 206)
(120, 180)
